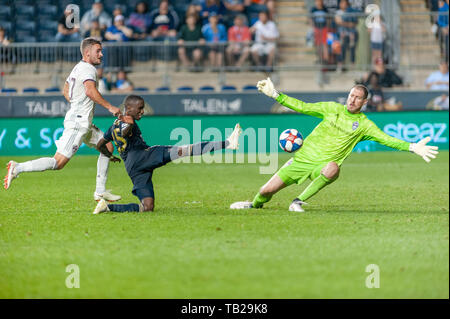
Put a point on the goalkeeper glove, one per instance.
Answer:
(421, 149)
(266, 87)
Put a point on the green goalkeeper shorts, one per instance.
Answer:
(295, 172)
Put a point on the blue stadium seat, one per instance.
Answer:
(46, 36)
(48, 10)
(229, 88)
(205, 88)
(7, 25)
(24, 38)
(50, 25)
(185, 89)
(42, 2)
(141, 89)
(249, 87)
(25, 10)
(52, 89)
(23, 25)
(30, 90)
(9, 90)
(5, 13)
(162, 89)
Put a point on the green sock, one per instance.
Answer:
(316, 185)
(259, 200)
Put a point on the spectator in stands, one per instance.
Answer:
(386, 77)
(95, 13)
(348, 35)
(95, 31)
(212, 6)
(439, 103)
(104, 83)
(239, 38)
(377, 35)
(376, 97)
(140, 20)
(438, 80)
(118, 32)
(215, 35)
(254, 7)
(3, 38)
(122, 84)
(192, 10)
(67, 32)
(319, 22)
(442, 23)
(190, 32)
(164, 22)
(266, 36)
(233, 9)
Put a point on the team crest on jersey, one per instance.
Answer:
(355, 125)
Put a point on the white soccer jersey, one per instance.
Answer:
(81, 106)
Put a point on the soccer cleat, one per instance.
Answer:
(107, 196)
(296, 206)
(102, 207)
(10, 175)
(233, 139)
(241, 205)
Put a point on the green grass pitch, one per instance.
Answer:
(390, 209)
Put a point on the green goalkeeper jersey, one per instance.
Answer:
(335, 137)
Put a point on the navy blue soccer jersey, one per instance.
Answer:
(125, 144)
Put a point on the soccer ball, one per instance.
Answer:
(291, 140)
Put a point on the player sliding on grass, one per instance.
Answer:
(81, 91)
(140, 159)
(328, 145)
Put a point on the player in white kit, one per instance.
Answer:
(81, 91)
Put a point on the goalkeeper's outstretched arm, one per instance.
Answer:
(425, 151)
(314, 109)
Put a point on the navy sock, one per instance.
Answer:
(123, 208)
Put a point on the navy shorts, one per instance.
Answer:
(142, 170)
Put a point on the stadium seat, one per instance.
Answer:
(50, 25)
(42, 2)
(46, 36)
(25, 25)
(9, 90)
(30, 90)
(7, 25)
(24, 10)
(162, 89)
(24, 38)
(208, 88)
(48, 10)
(249, 87)
(52, 89)
(141, 89)
(185, 89)
(5, 13)
(229, 88)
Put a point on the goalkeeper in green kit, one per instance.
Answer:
(328, 145)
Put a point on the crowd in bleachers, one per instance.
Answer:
(246, 24)
(439, 20)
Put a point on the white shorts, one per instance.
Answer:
(74, 135)
(263, 48)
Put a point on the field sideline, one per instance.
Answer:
(388, 208)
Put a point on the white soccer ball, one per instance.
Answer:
(291, 140)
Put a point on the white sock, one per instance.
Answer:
(38, 165)
(102, 174)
